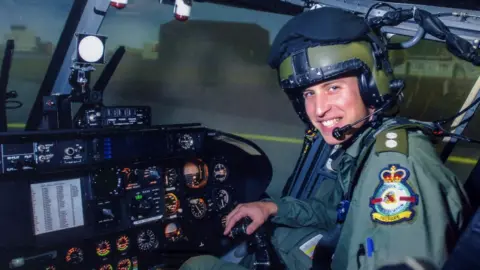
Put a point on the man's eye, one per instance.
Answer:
(334, 88)
(307, 94)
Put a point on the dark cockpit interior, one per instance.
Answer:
(84, 185)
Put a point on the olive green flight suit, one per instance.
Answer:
(405, 200)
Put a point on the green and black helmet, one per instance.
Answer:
(326, 43)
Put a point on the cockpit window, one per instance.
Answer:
(437, 85)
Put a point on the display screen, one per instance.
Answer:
(57, 205)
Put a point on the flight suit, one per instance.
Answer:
(404, 200)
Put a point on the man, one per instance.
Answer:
(403, 202)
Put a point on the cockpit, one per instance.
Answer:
(132, 128)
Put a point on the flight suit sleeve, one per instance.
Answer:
(410, 205)
(319, 211)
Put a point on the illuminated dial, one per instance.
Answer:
(74, 256)
(106, 183)
(196, 174)
(51, 267)
(123, 242)
(222, 198)
(147, 240)
(103, 248)
(124, 264)
(198, 207)
(220, 172)
(185, 141)
(172, 204)
(173, 232)
(151, 176)
(106, 267)
(170, 177)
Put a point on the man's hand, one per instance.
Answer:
(258, 212)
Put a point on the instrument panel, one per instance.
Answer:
(97, 201)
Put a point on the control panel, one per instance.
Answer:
(122, 199)
(107, 116)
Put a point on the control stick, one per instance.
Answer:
(258, 240)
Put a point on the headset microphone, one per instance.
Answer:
(339, 133)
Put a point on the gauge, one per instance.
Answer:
(124, 264)
(106, 267)
(141, 206)
(74, 256)
(129, 177)
(222, 198)
(147, 240)
(151, 176)
(220, 172)
(186, 141)
(123, 242)
(196, 174)
(173, 232)
(170, 177)
(198, 207)
(51, 267)
(106, 183)
(172, 204)
(103, 248)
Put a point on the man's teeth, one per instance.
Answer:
(331, 122)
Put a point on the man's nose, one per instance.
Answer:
(321, 105)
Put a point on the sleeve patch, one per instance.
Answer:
(394, 199)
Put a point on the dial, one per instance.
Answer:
(123, 242)
(124, 264)
(106, 267)
(172, 204)
(220, 172)
(50, 267)
(106, 183)
(147, 240)
(170, 177)
(132, 178)
(196, 174)
(186, 141)
(103, 248)
(173, 232)
(198, 207)
(151, 176)
(74, 256)
(222, 198)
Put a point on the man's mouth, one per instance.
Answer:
(331, 122)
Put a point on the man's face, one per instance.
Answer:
(333, 104)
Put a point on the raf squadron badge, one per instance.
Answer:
(394, 199)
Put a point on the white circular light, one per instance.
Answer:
(91, 49)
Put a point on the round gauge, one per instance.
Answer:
(198, 207)
(106, 267)
(129, 178)
(196, 174)
(103, 248)
(220, 172)
(50, 267)
(222, 198)
(186, 141)
(172, 204)
(123, 242)
(170, 177)
(151, 176)
(74, 256)
(106, 183)
(147, 240)
(172, 232)
(124, 264)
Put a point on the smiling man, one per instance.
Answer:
(393, 197)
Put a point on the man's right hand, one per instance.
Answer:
(258, 212)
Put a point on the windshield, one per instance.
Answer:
(212, 69)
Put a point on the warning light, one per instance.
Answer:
(138, 197)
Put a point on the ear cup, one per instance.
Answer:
(369, 91)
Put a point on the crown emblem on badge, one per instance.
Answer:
(393, 174)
